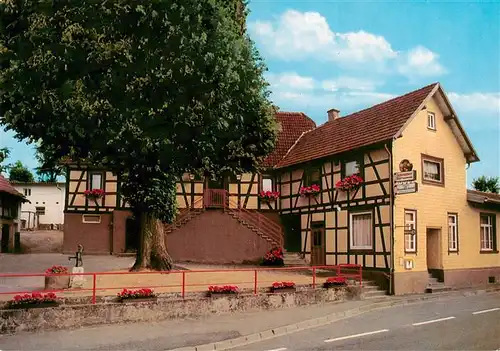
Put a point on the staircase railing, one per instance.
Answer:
(185, 212)
(261, 222)
(214, 198)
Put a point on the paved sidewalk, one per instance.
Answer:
(171, 334)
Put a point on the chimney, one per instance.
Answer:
(333, 114)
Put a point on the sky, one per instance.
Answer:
(350, 55)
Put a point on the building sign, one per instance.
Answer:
(405, 187)
(405, 180)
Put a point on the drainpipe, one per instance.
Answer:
(391, 219)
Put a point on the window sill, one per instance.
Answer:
(488, 251)
(431, 129)
(452, 252)
(361, 250)
(410, 252)
(430, 182)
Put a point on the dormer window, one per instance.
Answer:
(431, 120)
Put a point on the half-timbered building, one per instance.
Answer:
(384, 188)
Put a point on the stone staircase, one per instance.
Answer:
(372, 291)
(293, 259)
(435, 285)
(185, 216)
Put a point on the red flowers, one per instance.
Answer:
(269, 195)
(309, 190)
(34, 298)
(94, 193)
(274, 257)
(230, 289)
(283, 285)
(135, 294)
(336, 281)
(349, 183)
(57, 270)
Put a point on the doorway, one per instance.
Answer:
(318, 247)
(433, 246)
(5, 238)
(132, 234)
(292, 228)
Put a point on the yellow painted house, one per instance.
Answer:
(384, 188)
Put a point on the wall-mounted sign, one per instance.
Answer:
(408, 176)
(405, 166)
(405, 187)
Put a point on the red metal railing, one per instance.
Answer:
(184, 215)
(254, 283)
(256, 219)
(215, 198)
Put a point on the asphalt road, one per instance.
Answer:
(459, 324)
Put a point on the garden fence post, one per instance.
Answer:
(93, 288)
(183, 284)
(255, 282)
(314, 277)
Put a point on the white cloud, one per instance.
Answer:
(290, 80)
(422, 62)
(479, 103)
(299, 35)
(295, 36)
(351, 83)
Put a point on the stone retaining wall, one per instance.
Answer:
(73, 314)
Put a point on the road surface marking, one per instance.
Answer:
(434, 321)
(357, 335)
(485, 311)
(280, 349)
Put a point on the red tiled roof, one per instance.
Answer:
(372, 125)
(293, 124)
(6, 187)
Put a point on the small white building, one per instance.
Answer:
(46, 207)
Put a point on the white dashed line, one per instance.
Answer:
(433, 321)
(280, 349)
(486, 311)
(357, 335)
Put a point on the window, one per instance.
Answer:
(27, 192)
(487, 233)
(361, 230)
(410, 231)
(431, 120)
(351, 167)
(452, 232)
(312, 176)
(91, 218)
(95, 181)
(40, 211)
(433, 170)
(267, 184)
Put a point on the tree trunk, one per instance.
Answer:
(152, 252)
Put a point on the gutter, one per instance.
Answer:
(391, 219)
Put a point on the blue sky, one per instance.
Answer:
(352, 54)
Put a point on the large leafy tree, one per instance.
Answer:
(49, 165)
(147, 89)
(20, 173)
(487, 184)
(4, 155)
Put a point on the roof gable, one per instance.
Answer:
(377, 124)
(369, 126)
(6, 187)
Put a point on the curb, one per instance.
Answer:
(331, 318)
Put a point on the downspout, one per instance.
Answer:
(391, 219)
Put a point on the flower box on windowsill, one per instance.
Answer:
(312, 190)
(269, 196)
(352, 182)
(94, 194)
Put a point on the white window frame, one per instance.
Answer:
(486, 233)
(271, 187)
(453, 232)
(440, 165)
(351, 230)
(431, 120)
(84, 220)
(411, 243)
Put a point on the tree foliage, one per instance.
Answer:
(49, 166)
(4, 155)
(149, 90)
(487, 184)
(20, 173)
